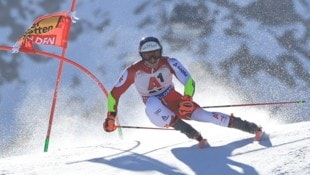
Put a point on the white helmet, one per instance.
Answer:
(148, 44)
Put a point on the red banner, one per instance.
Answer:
(47, 30)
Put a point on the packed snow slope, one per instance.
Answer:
(285, 151)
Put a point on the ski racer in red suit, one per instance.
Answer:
(165, 107)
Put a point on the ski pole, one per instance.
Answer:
(256, 104)
(142, 127)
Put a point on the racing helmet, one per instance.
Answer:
(148, 44)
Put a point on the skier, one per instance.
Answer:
(164, 106)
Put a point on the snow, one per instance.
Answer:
(285, 151)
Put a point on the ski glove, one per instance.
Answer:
(186, 105)
(109, 123)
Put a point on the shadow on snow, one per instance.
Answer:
(136, 161)
(215, 160)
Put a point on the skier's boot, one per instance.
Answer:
(258, 134)
(246, 126)
(189, 131)
(203, 143)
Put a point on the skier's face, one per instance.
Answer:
(152, 57)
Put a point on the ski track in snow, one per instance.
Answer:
(285, 151)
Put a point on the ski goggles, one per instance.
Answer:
(147, 56)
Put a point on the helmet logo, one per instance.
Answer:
(150, 46)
